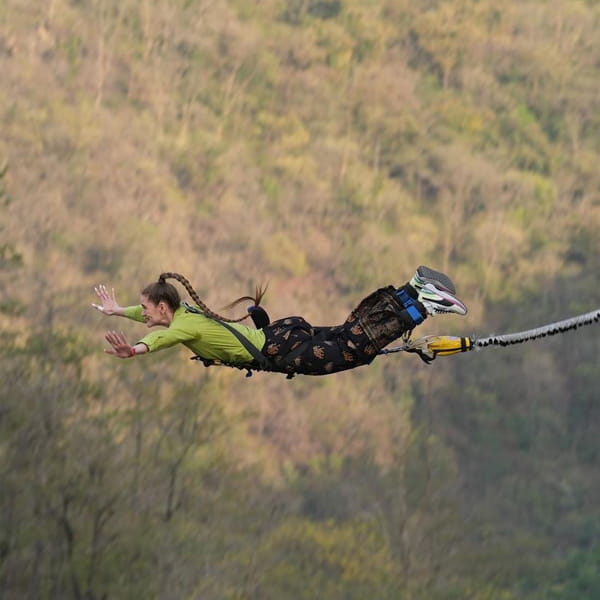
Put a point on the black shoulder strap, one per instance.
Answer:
(259, 357)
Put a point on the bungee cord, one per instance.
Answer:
(432, 346)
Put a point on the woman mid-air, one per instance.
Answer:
(290, 345)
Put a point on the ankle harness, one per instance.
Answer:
(410, 306)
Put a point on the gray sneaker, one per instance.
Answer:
(424, 275)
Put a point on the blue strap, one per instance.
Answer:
(410, 306)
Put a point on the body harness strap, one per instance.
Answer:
(410, 306)
(262, 362)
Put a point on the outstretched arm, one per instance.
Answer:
(108, 302)
(120, 347)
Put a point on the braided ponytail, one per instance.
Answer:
(190, 290)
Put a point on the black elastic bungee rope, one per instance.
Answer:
(428, 347)
(539, 332)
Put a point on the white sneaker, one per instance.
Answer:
(438, 300)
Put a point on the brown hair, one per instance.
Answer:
(167, 292)
(161, 291)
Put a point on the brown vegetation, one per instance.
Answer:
(327, 148)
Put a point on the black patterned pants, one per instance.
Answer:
(294, 346)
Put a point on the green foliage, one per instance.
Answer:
(281, 253)
(297, 10)
(307, 559)
(9, 257)
(330, 147)
(579, 578)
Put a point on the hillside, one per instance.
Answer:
(327, 147)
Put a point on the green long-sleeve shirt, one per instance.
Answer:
(203, 336)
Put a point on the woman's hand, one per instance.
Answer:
(109, 304)
(119, 345)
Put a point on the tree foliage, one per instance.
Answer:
(327, 147)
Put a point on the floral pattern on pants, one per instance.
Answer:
(298, 347)
(295, 346)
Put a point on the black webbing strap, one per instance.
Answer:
(259, 357)
(262, 361)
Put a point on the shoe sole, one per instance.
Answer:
(439, 280)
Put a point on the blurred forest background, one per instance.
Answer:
(328, 147)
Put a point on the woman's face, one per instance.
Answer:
(155, 314)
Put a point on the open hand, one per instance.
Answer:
(109, 304)
(119, 345)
